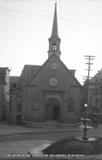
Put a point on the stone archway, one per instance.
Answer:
(52, 109)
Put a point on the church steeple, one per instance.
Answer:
(54, 40)
(55, 26)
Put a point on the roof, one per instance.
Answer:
(14, 79)
(4, 69)
(97, 77)
(99, 74)
(71, 72)
(27, 73)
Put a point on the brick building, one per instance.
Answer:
(95, 93)
(46, 93)
(4, 93)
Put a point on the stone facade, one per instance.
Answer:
(49, 92)
(52, 88)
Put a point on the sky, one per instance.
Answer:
(26, 25)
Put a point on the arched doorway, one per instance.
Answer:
(52, 109)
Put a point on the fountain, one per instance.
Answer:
(85, 121)
(85, 125)
(77, 145)
(82, 147)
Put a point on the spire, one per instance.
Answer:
(54, 40)
(55, 26)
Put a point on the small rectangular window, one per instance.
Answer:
(19, 105)
(70, 104)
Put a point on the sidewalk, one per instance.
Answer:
(6, 129)
(13, 147)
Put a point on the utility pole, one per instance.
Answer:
(89, 59)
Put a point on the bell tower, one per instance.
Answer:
(54, 40)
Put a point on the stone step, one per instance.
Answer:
(50, 125)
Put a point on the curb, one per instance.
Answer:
(42, 131)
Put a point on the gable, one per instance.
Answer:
(54, 69)
(28, 72)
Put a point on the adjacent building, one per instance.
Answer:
(95, 93)
(4, 93)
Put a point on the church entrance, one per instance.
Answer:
(52, 109)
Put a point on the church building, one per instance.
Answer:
(47, 93)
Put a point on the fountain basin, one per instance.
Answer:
(75, 145)
(69, 148)
(88, 127)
